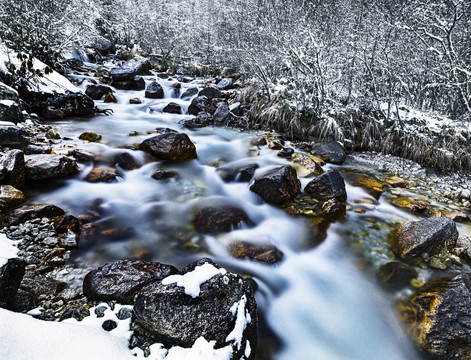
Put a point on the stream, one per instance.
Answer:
(318, 303)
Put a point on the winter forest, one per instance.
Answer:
(235, 179)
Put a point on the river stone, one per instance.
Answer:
(225, 83)
(189, 93)
(14, 137)
(10, 111)
(430, 236)
(166, 314)
(11, 275)
(96, 92)
(267, 253)
(65, 223)
(286, 152)
(47, 166)
(414, 205)
(137, 84)
(218, 219)
(199, 104)
(170, 146)
(154, 91)
(211, 93)
(110, 98)
(124, 72)
(25, 213)
(438, 318)
(90, 136)
(330, 151)
(126, 161)
(10, 197)
(165, 175)
(307, 165)
(121, 280)
(396, 275)
(203, 119)
(221, 115)
(329, 185)
(334, 210)
(41, 286)
(278, 185)
(100, 175)
(172, 108)
(15, 171)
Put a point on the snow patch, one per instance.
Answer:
(8, 103)
(192, 280)
(242, 319)
(8, 249)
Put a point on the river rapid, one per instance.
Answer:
(319, 302)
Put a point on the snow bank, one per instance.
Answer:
(8, 249)
(192, 280)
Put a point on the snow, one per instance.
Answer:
(242, 319)
(8, 249)
(8, 103)
(248, 349)
(192, 280)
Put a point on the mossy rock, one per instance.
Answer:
(396, 181)
(413, 205)
(110, 98)
(90, 136)
(455, 216)
(372, 186)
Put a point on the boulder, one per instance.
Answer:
(135, 101)
(330, 151)
(218, 219)
(170, 146)
(225, 83)
(25, 213)
(438, 318)
(46, 166)
(13, 163)
(430, 236)
(125, 72)
(199, 104)
(189, 93)
(8, 93)
(221, 115)
(154, 91)
(329, 185)
(278, 185)
(260, 252)
(137, 84)
(90, 136)
(10, 111)
(211, 302)
(53, 134)
(102, 45)
(69, 103)
(203, 119)
(246, 173)
(121, 280)
(96, 92)
(14, 137)
(100, 175)
(11, 274)
(172, 108)
(10, 197)
(396, 275)
(211, 93)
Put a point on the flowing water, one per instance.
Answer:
(315, 304)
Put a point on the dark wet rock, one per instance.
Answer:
(135, 101)
(396, 275)
(318, 227)
(47, 166)
(211, 93)
(110, 98)
(189, 93)
(8, 93)
(218, 219)
(225, 83)
(184, 79)
(65, 223)
(163, 76)
(221, 115)
(96, 92)
(124, 313)
(75, 311)
(285, 152)
(52, 134)
(102, 45)
(329, 185)
(126, 161)
(14, 137)
(71, 104)
(334, 210)
(172, 108)
(259, 142)
(170, 146)
(278, 185)
(13, 163)
(22, 302)
(154, 91)
(11, 275)
(125, 72)
(121, 280)
(10, 197)
(52, 113)
(138, 83)
(25, 213)
(199, 104)
(100, 311)
(71, 64)
(10, 111)
(82, 155)
(438, 318)
(429, 236)
(223, 300)
(275, 145)
(109, 325)
(236, 109)
(203, 119)
(41, 286)
(165, 175)
(100, 175)
(331, 152)
(269, 254)
(37, 149)
(241, 174)
(308, 165)
(90, 136)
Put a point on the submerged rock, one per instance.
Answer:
(396, 275)
(278, 185)
(154, 91)
(331, 152)
(10, 197)
(334, 210)
(170, 146)
(46, 166)
(11, 274)
(165, 175)
(372, 186)
(218, 219)
(266, 253)
(211, 302)
(329, 185)
(438, 318)
(126, 161)
(121, 280)
(429, 236)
